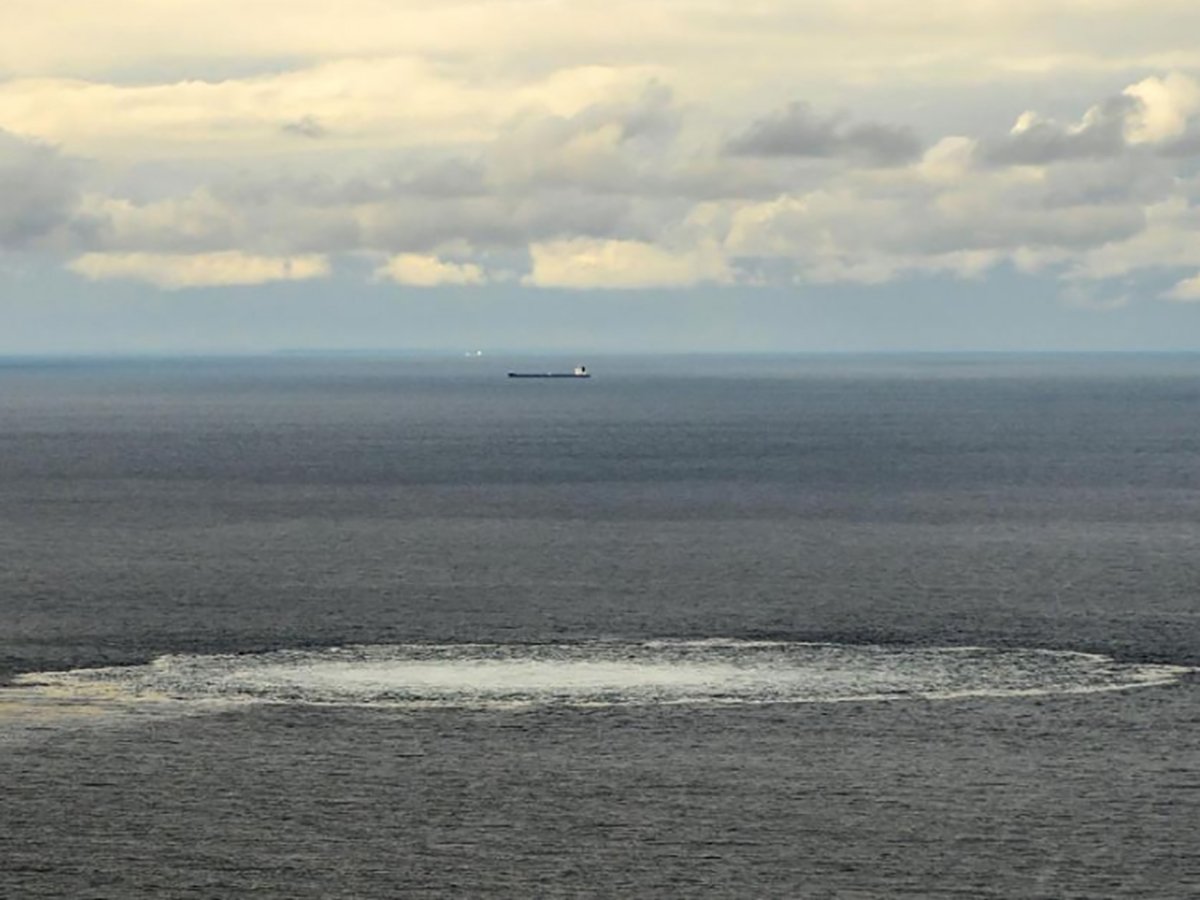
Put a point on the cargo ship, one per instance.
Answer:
(577, 372)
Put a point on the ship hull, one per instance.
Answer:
(546, 375)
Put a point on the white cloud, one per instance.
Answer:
(195, 222)
(1167, 241)
(347, 104)
(419, 270)
(949, 160)
(1087, 295)
(176, 270)
(1186, 291)
(584, 263)
(1165, 106)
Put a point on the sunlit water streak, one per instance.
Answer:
(604, 673)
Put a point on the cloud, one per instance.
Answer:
(1164, 106)
(38, 190)
(1037, 141)
(176, 271)
(583, 264)
(1182, 147)
(1186, 291)
(401, 177)
(988, 211)
(195, 223)
(712, 45)
(419, 270)
(798, 131)
(1132, 178)
(615, 146)
(305, 126)
(392, 102)
(1090, 295)
(1167, 241)
(589, 177)
(1156, 115)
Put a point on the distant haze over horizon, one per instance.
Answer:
(851, 176)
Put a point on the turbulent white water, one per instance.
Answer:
(596, 673)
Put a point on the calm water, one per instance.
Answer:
(819, 627)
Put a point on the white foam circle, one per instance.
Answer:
(605, 673)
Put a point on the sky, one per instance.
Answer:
(180, 176)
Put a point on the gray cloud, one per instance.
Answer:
(1003, 216)
(605, 148)
(1100, 135)
(1186, 145)
(306, 126)
(498, 222)
(652, 115)
(858, 232)
(274, 223)
(1139, 176)
(38, 190)
(798, 131)
(397, 179)
(1071, 228)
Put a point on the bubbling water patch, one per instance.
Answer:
(712, 672)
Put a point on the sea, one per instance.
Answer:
(391, 626)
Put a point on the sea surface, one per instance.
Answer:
(812, 626)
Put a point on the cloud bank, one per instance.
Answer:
(605, 146)
(173, 271)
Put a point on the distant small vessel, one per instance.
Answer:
(577, 372)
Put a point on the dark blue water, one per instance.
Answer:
(211, 509)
